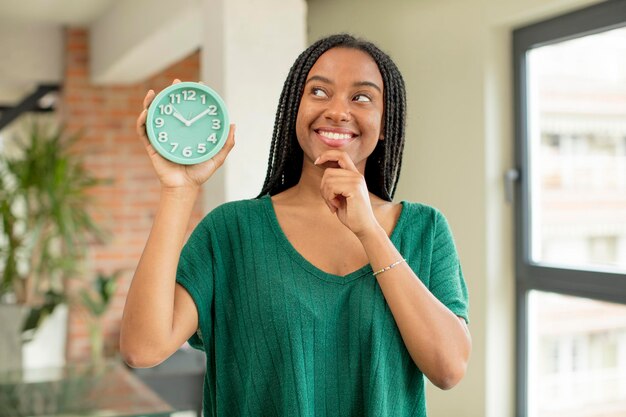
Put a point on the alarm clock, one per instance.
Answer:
(187, 123)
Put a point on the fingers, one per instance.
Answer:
(220, 157)
(140, 124)
(340, 185)
(230, 143)
(341, 157)
(346, 195)
(148, 99)
(151, 94)
(341, 181)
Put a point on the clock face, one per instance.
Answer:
(187, 123)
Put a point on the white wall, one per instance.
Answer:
(248, 65)
(134, 39)
(31, 54)
(457, 62)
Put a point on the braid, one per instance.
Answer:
(382, 169)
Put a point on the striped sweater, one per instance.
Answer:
(284, 338)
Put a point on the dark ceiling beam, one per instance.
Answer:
(30, 103)
(36, 110)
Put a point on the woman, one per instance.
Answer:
(321, 297)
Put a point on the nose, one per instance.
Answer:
(338, 110)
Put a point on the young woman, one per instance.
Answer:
(321, 297)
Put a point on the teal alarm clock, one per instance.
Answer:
(187, 123)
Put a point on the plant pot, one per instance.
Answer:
(11, 319)
(47, 348)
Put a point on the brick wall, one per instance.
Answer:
(125, 208)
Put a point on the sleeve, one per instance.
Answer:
(446, 275)
(195, 274)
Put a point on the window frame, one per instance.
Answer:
(604, 285)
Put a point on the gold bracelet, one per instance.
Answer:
(387, 268)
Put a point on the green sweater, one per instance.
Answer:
(284, 338)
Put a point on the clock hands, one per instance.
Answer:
(188, 123)
(198, 117)
(198, 132)
(180, 117)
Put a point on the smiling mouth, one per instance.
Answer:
(335, 135)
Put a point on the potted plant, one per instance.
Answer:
(46, 226)
(95, 302)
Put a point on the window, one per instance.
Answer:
(570, 96)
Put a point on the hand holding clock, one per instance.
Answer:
(184, 141)
(173, 175)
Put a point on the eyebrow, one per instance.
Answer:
(356, 84)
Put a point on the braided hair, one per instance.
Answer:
(382, 169)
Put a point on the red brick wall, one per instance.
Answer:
(125, 208)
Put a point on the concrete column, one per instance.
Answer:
(247, 49)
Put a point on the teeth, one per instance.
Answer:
(335, 136)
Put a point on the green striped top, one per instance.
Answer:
(284, 338)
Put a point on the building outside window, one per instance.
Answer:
(571, 214)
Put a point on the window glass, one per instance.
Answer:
(577, 357)
(577, 152)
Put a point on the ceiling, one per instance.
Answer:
(31, 39)
(47, 13)
(62, 12)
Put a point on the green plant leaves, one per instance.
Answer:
(97, 300)
(46, 226)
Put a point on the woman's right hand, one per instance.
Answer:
(172, 175)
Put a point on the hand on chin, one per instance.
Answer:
(329, 164)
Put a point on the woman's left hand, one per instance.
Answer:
(345, 192)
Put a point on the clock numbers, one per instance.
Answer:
(166, 109)
(187, 150)
(187, 123)
(187, 95)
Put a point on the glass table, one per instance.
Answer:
(105, 390)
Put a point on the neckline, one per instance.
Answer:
(308, 266)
